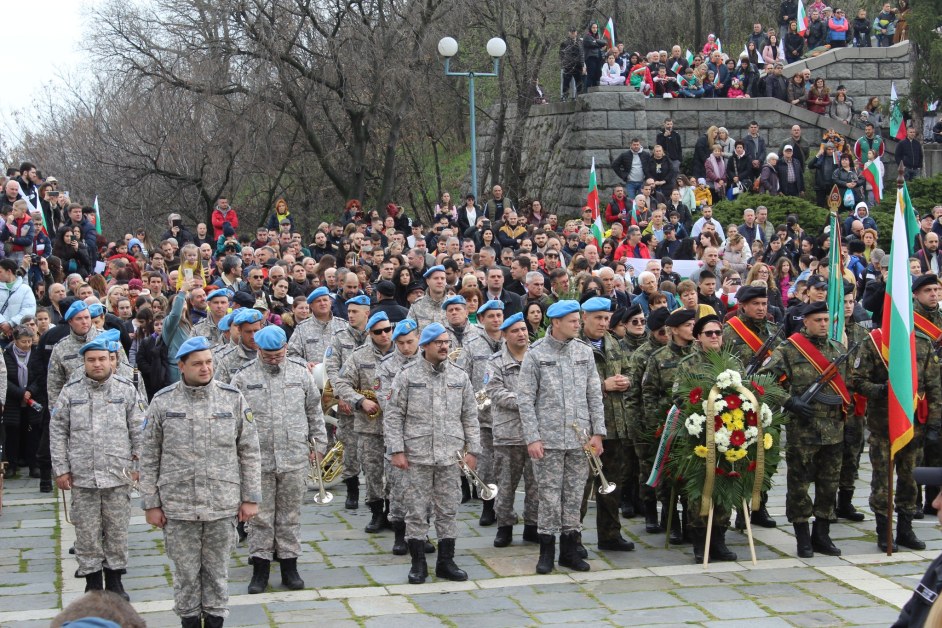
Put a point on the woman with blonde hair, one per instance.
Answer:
(701, 152)
(869, 237)
(761, 271)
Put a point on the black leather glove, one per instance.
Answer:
(794, 405)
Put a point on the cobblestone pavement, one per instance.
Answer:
(354, 579)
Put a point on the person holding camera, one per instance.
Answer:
(177, 231)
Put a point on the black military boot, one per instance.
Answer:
(376, 522)
(488, 517)
(718, 550)
(386, 523)
(445, 566)
(581, 551)
(113, 583)
(93, 582)
(905, 537)
(568, 553)
(465, 490)
(193, 621)
(290, 577)
(213, 621)
(803, 540)
(845, 507)
(628, 499)
(45, 480)
(260, 570)
(400, 547)
(677, 531)
(651, 525)
(699, 543)
(547, 554)
(617, 544)
(353, 493)
(419, 571)
(740, 519)
(530, 534)
(929, 493)
(761, 517)
(881, 533)
(821, 538)
(429, 547)
(505, 535)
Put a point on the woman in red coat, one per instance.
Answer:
(223, 214)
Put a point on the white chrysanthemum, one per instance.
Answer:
(747, 406)
(719, 405)
(694, 424)
(721, 438)
(766, 413)
(751, 434)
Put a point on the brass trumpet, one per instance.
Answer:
(332, 463)
(323, 496)
(595, 464)
(454, 355)
(486, 491)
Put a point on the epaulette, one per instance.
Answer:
(244, 366)
(227, 387)
(296, 360)
(226, 350)
(388, 356)
(165, 391)
(122, 379)
(411, 364)
(72, 382)
(583, 342)
(537, 342)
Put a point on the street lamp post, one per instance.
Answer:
(496, 48)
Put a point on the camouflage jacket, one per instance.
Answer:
(64, 361)
(207, 328)
(226, 363)
(312, 337)
(657, 384)
(734, 343)
(503, 372)
(426, 311)
(637, 363)
(359, 372)
(476, 352)
(612, 360)
(389, 366)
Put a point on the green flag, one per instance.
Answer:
(836, 282)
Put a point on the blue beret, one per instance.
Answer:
(114, 347)
(75, 308)
(511, 321)
(98, 344)
(110, 335)
(562, 308)
(221, 292)
(271, 338)
(456, 299)
(96, 309)
(246, 315)
(361, 299)
(192, 345)
(433, 269)
(403, 327)
(318, 293)
(493, 304)
(597, 304)
(376, 318)
(430, 333)
(225, 322)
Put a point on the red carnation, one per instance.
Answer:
(734, 474)
(696, 395)
(720, 471)
(752, 466)
(717, 423)
(732, 402)
(752, 419)
(737, 438)
(658, 431)
(759, 389)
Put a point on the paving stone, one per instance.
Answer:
(794, 604)
(249, 615)
(812, 619)
(631, 601)
(556, 601)
(403, 621)
(574, 617)
(868, 615)
(29, 602)
(447, 603)
(650, 617)
(771, 622)
(736, 609)
(384, 605)
(498, 620)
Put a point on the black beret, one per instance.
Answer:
(244, 299)
(619, 316)
(748, 293)
(679, 317)
(817, 281)
(633, 310)
(814, 308)
(415, 285)
(657, 318)
(922, 281)
(386, 288)
(701, 323)
(848, 287)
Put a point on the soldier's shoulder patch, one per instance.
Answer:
(249, 416)
(329, 352)
(377, 384)
(537, 343)
(487, 377)
(857, 362)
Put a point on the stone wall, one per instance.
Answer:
(561, 139)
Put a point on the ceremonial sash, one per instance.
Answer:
(820, 363)
(749, 337)
(927, 327)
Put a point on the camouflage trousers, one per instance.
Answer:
(614, 463)
(346, 435)
(904, 461)
(514, 463)
(488, 467)
(371, 452)
(820, 464)
(438, 486)
(200, 553)
(696, 520)
(274, 531)
(101, 519)
(560, 477)
(853, 447)
(397, 511)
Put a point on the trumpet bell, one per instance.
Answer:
(325, 499)
(489, 492)
(606, 488)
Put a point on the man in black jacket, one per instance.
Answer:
(823, 166)
(670, 141)
(791, 173)
(633, 166)
(909, 153)
(817, 31)
(572, 63)
(774, 84)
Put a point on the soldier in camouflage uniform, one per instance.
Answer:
(640, 432)
(459, 330)
(226, 340)
(869, 378)
(708, 338)
(286, 406)
(503, 370)
(431, 419)
(94, 435)
(476, 352)
(218, 304)
(751, 318)
(65, 358)
(313, 335)
(659, 376)
(559, 397)
(245, 322)
(611, 362)
(427, 309)
(931, 455)
(341, 346)
(200, 472)
(856, 417)
(359, 375)
(815, 434)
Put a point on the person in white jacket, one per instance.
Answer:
(16, 299)
(611, 73)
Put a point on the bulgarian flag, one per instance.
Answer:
(719, 45)
(874, 179)
(836, 282)
(897, 124)
(97, 216)
(688, 56)
(899, 341)
(608, 34)
(592, 202)
(802, 19)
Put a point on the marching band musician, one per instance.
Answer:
(217, 302)
(65, 358)
(286, 406)
(431, 418)
(313, 335)
(246, 322)
(554, 410)
(94, 434)
(456, 323)
(427, 309)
